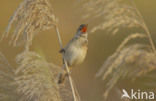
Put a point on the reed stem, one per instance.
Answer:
(66, 66)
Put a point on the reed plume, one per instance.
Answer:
(114, 16)
(36, 78)
(30, 17)
(130, 61)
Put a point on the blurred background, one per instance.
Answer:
(101, 43)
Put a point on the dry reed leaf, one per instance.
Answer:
(30, 17)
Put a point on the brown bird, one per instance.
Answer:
(76, 49)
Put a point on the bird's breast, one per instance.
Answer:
(75, 55)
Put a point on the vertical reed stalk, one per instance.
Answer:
(65, 63)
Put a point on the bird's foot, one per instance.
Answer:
(62, 50)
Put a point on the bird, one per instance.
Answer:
(75, 51)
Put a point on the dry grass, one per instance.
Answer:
(30, 17)
(115, 15)
(131, 62)
(36, 79)
(66, 92)
(128, 61)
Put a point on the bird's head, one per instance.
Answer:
(82, 30)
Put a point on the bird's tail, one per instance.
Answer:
(62, 76)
